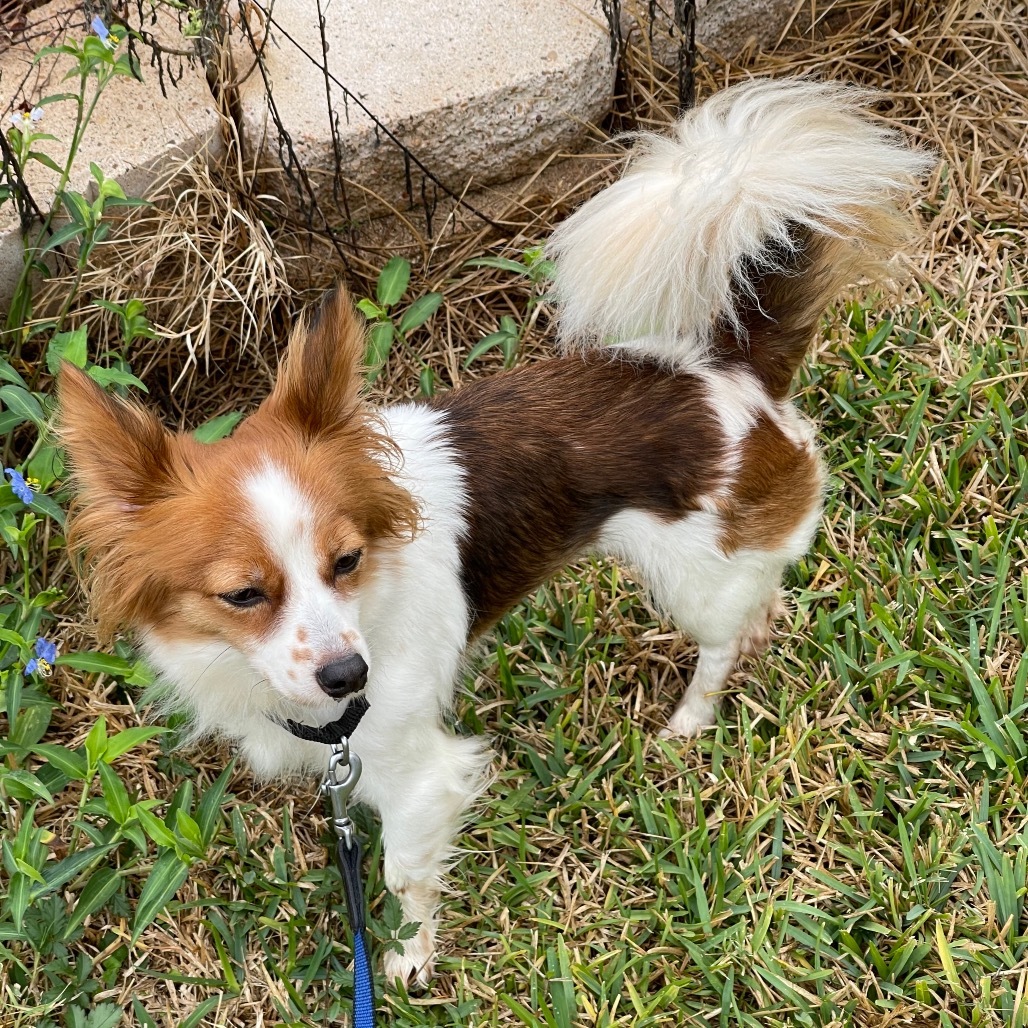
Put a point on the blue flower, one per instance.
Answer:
(108, 38)
(19, 486)
(30, 667)
(46, 650)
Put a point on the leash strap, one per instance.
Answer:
(349, 860)
(344, 771)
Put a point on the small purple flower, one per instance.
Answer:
(46, 650)
(19, 486)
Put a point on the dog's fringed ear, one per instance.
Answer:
(319, 382)
(120, 454)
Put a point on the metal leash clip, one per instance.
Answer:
(344, 771)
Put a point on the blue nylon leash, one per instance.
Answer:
(344, 771)
(363, 992)
(348, 859)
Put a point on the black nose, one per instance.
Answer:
(341, 677)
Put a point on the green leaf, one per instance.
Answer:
(380, 342)
(503, 263)
(31, 725)
(127, 67)
(25, 783)
(8, 374)
(494, 339)
(96, 663)
(9, 421)
(46, 464)
(55, 97)
(209, 811)
(69, 762)
(46, 160)
(22, 402)
(420, 311)
(143, 1019)
(135, 834)
(104, 1015)
(58, 873)
(29, 871)
(370, 309)
(392, 281)
(101, 233)
(189, 830)
(134, 322)
(115, 793)
(156, 828)
(101, 886)
(167, 876)
(18, 899)
(127, 738)
(42, 504)
(49, 51)
(67, 346)
(114, 376)
(217, 428)
(8, 635)
(96, 741)
(78, 209)
(140, 674)
(946, 956)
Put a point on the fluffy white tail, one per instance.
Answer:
(751, 185)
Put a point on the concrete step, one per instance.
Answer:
(478, 92)
(725, 26)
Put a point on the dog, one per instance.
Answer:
(326, 550)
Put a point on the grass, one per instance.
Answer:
(848, 847)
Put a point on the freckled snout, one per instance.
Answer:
(342, 677)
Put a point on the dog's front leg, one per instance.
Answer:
(420, 778)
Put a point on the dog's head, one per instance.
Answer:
(252, 551)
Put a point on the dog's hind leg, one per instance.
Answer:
(722, 602)
(727, 623)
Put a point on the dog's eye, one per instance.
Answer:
(243, 597)
(347, 563)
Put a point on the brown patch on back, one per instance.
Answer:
(552, 451)
(777, 485)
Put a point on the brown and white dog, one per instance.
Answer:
(326, 549)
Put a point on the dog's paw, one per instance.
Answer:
(415, 965)
(689, 719)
